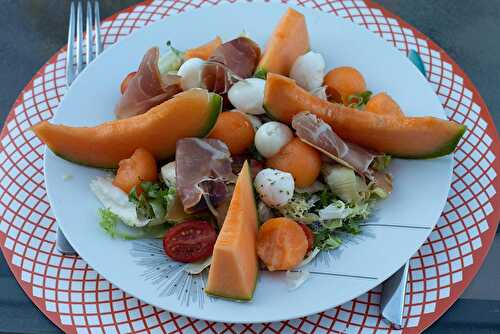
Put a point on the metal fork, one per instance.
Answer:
(93, 47)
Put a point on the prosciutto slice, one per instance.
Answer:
(233, 60)
(203, 167)
(314, 131)
(147, 88)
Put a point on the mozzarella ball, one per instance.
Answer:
(168, 174)
(308, 70)
(190, 71)
(256, 122)
(275, 188)
(271, 137)
(248, 96)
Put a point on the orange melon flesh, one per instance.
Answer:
(203, 51)
(404, 137)
(288, 41)
(189, 114)
(234, 268)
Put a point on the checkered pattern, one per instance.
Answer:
(79, 300)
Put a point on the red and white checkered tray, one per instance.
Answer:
(79, 300)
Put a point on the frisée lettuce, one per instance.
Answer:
(171, 60)
(134, 215)
(115, 228)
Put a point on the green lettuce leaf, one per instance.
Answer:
(381, 162)
(153, 202)
(171, 60)
(358, 101)
(299, 208)
(115, 228)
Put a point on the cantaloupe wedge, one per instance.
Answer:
(234, 269)
(203, 51)
(189, 114)
(404, 137)
(289, 40)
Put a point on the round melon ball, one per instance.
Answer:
(190, 71)
(235, 130)
(342, 82)
(308, 70)
(248, 96)
(271, 137)
(256, 122)
(275, 188)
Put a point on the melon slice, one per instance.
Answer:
(203, 51)
(288, 41)
(234, 269)
(404, 137)
(189, 114)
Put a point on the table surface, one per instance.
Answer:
(32, 30)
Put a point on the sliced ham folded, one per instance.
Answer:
(147, 88)
(203, 167)
(233, 60)
(315, 132)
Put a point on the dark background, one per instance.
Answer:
(468, 30)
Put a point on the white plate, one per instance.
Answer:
(141, 269)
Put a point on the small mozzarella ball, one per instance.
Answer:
(190, 71)
(248, 96)
(168, 174)
(271, 137)
(256, 122)
(308, 70)
(275, 187)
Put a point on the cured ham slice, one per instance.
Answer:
(147, 88)
(233, 60)
(203, 167)
(314, 131)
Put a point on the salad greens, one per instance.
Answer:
(328, 232)
(343, 182)
(300, 208)
(330, 216)
(171, 60)
(360, 100)
(153, 202)
(381, 162)
(151, 207)
(115, 228)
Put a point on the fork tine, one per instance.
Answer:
(69, 52)
(97, 19)
(79, 38)
(89, 40)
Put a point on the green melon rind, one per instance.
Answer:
(443, 150)
(260, 73)
(269, 113)
(239, 298)
(81, 163)
(215, 108)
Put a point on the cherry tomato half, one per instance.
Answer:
(309, 235)
(124, 85)
(190, 241)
